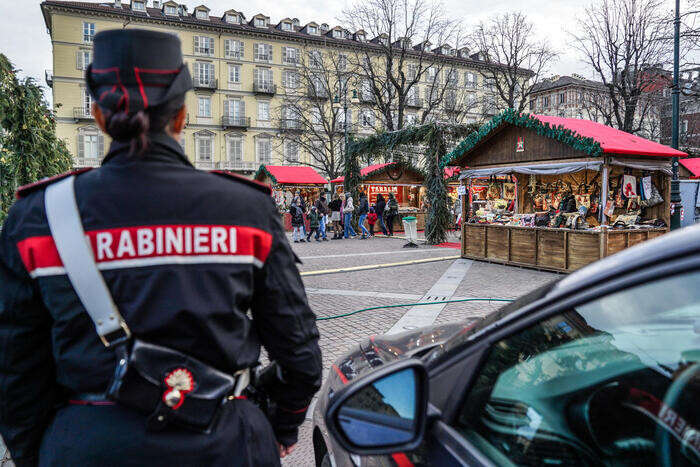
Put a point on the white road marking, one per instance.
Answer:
(394, 252)
(425, 315)
(363, 293)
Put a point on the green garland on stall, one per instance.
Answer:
(524, 120)
(263, 172)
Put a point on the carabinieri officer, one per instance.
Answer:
(197, 265)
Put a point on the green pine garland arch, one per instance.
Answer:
(435, 136)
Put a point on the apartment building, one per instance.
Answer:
(244, 70)
(567, 96)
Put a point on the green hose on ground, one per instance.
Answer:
(416, 304)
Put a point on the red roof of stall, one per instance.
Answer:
(693, 165)
(451, 171)
(612, 140)
(293, 175)
(364, 172)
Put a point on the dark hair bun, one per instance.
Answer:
(134, 128)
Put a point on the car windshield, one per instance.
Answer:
(594, 380)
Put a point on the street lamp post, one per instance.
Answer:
(675, 187)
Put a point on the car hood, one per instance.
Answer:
(381, 349)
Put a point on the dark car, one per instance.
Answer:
(601, 367)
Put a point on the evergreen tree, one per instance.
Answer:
(29, 148)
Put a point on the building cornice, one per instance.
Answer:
(126, 15)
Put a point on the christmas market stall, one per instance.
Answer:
(288, 180)
(406, 183)
(560, 193)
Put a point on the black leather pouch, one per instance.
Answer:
(169, 386)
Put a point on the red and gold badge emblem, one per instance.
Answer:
(179, 383)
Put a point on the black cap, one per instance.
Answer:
(133, 69)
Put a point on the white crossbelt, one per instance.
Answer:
(78, 260)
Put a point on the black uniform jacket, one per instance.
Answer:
(195, 261)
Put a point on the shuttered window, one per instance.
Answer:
(204, 107)
(235, 148)
(263, 149)
(204, 147)
(234, 108)
(83, 59)
(233, 49)
(262, 52)
(90, 144)
(203, 45)
(234, 74)
(204, 73)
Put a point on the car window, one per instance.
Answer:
(606, 383)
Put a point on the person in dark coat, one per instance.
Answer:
(295, 211)
(190, 267)
(390, 211)
(362, 211)
(379, 209)
(334, 207)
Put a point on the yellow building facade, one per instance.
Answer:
(241, 68)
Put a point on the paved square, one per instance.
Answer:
(338, 293)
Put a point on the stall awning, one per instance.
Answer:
(533, 169)
(290, 175)
(693, 165)
(612, 140)
(364, 172)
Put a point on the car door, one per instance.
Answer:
(608, 378)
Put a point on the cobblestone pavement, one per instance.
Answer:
(340, 335)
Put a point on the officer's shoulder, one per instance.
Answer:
(244, 181)
(26, 190)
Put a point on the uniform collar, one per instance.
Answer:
(162, 147)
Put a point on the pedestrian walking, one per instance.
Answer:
(362, 211)
(334, 206)
(314, 224)
(297, 215)
(391, 210)
(371, 220)
(322, 208)
(457, 212)
(380, 206)
(156, 376)
(348, 209)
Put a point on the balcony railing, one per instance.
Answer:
(48, 75)
(206, 84)
(205, 165)
(81, 113)
(238, 165)
(314, 93)
(290, 124)
(228, 121)
(263, 87)
(79, 162)
(415, 102)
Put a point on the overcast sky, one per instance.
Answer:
(23, 36)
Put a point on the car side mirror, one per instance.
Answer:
(383, 412)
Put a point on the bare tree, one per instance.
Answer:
(398, 56)
(626, 42)
(519, 59)
(311, 116)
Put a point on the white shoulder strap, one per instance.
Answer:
(78, 260)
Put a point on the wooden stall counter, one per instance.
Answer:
(560, 250)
